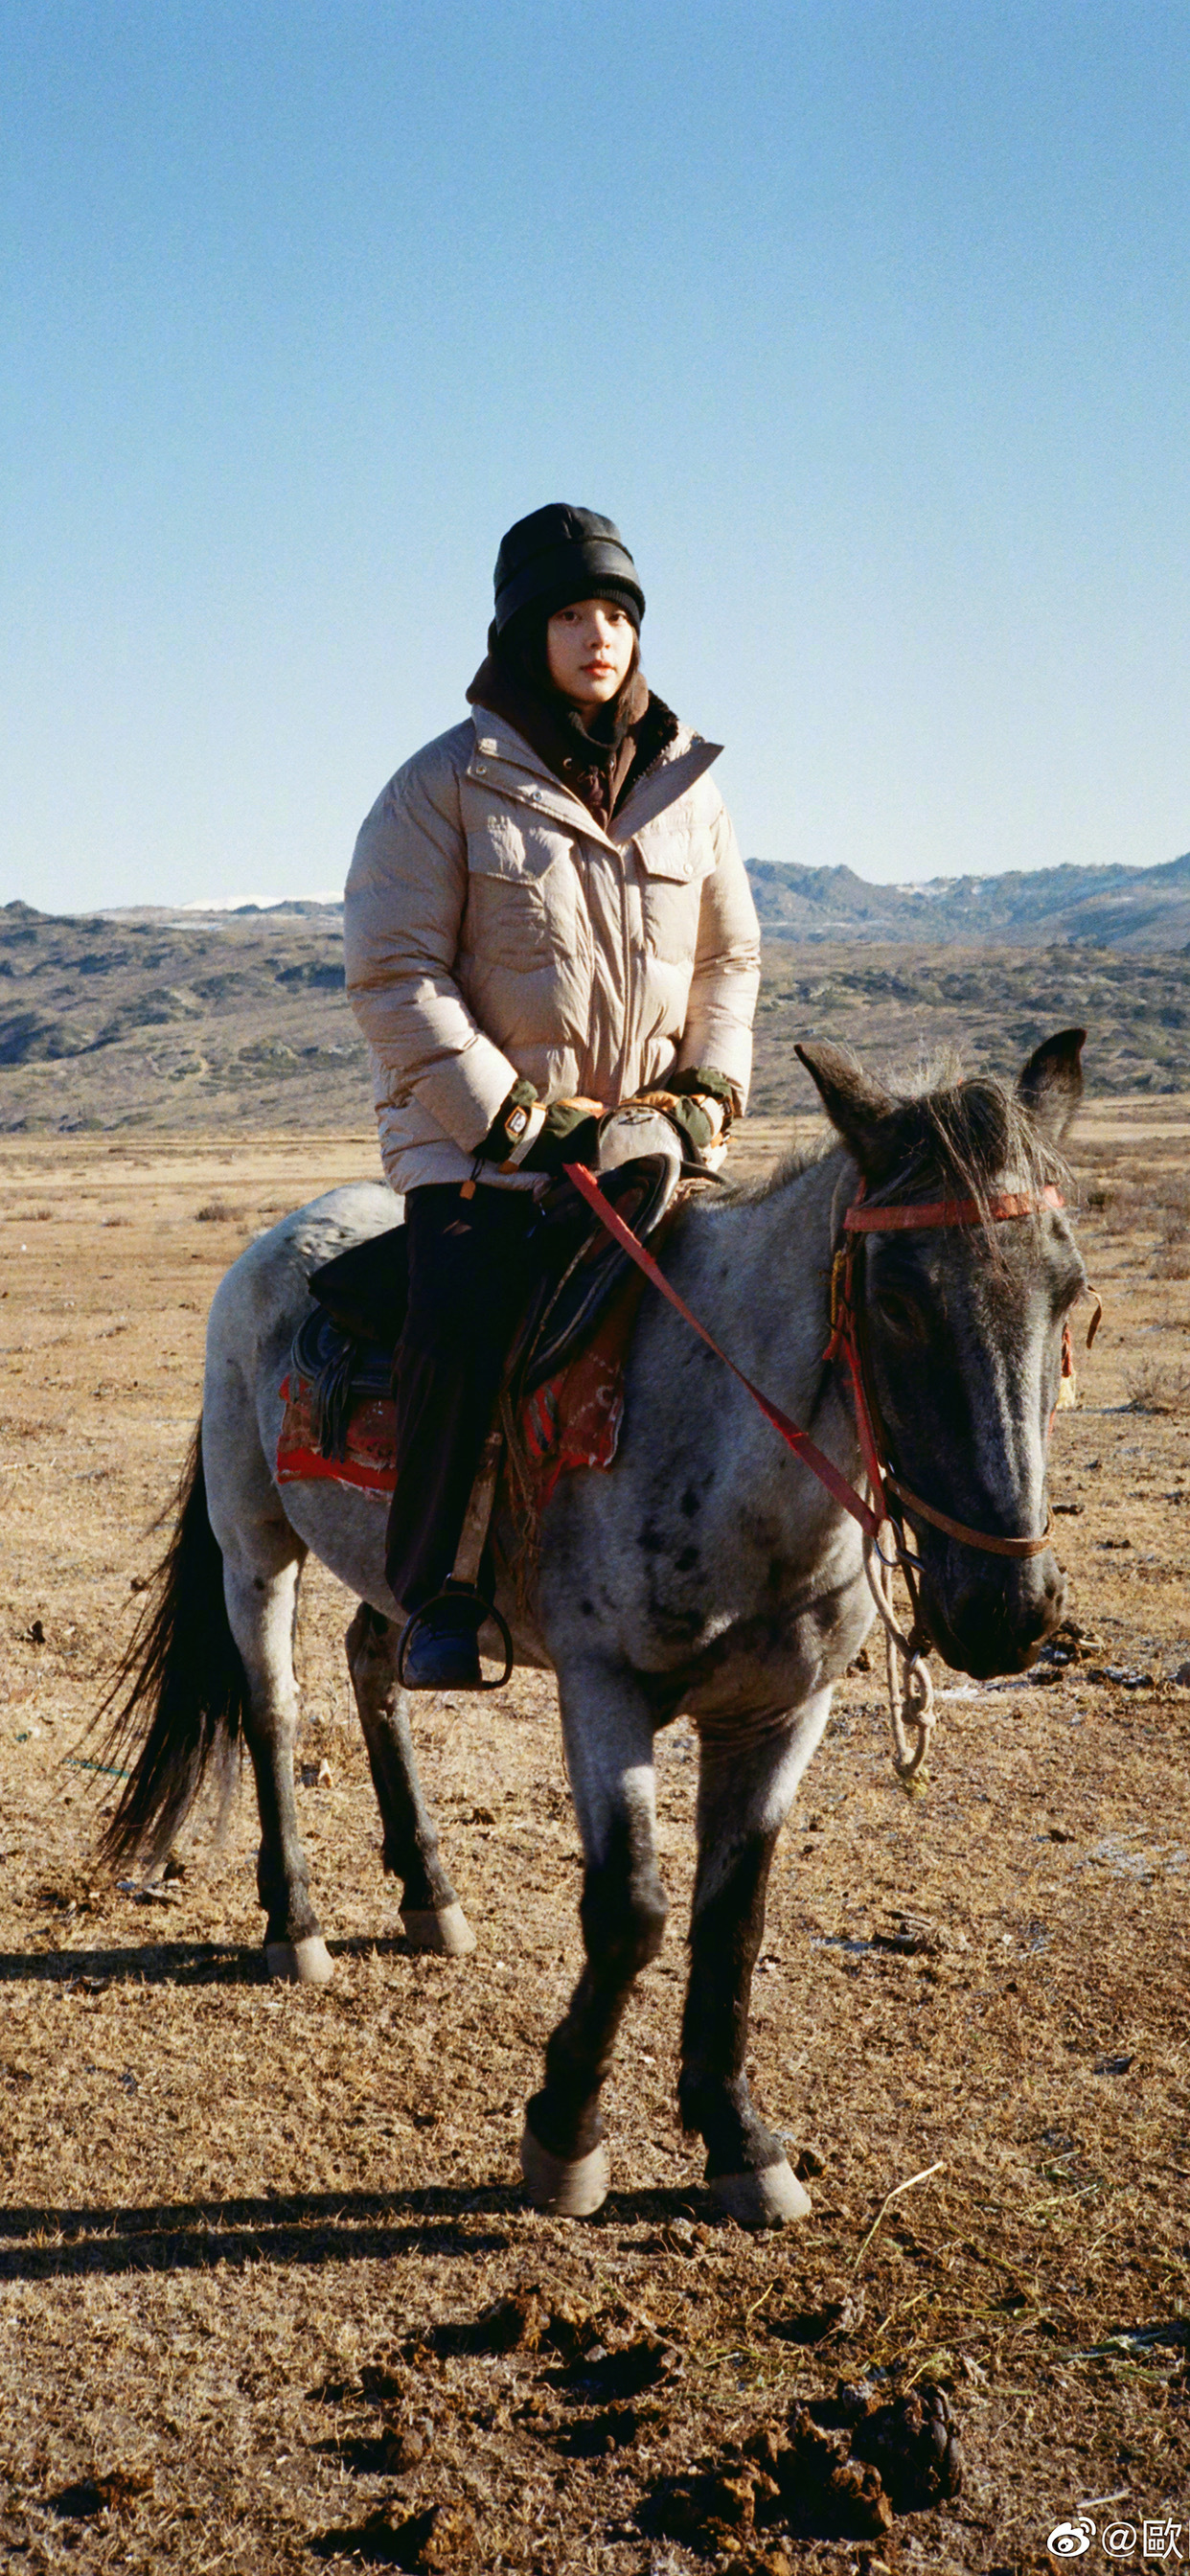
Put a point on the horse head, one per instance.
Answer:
(958, 1331)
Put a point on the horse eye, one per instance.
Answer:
(901, 1318)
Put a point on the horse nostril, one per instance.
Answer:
(1051, 1605)
(998, 1626)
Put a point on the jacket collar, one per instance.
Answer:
(503, 758)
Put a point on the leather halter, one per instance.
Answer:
(848, 1340)
(912, 1707)
(845, 1338)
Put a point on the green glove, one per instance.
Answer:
(700, 1103)
(703, 1077)
(694, 1122)
(570, 1135)
(525, 1138)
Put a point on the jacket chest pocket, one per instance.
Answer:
(674, 855)
(520, 894)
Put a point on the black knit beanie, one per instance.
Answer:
(561, 554)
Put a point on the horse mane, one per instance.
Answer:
(949, 1134)
(965, 1134)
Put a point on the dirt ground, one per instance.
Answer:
(253, 2241)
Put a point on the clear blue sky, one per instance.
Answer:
(868, 323)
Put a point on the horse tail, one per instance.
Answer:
(182, 1671)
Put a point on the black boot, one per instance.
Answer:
(442, 1648)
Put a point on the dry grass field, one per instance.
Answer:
(252, 2239)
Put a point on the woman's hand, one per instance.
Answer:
(525, 1136)
(701, 1104)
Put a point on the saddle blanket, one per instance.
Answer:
(574, 1420)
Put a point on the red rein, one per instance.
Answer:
(844, 1340)
(799, 1441)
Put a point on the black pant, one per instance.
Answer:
(469, 1276)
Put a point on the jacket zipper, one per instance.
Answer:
(632, 1034)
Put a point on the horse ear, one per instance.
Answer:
(856, 1106)
(1051, 1084)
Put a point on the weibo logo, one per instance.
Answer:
(1071, 2539)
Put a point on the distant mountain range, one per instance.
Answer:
(236, 1016)
(1109, 907)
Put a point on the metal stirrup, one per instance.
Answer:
(462, 1582)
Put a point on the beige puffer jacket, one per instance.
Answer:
(493, 930)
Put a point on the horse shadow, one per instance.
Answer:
(300, 2230)
(176, 1963)
(295, 2230)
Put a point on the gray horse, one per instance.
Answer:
(708, 1572)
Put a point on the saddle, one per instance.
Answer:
(343, 1350)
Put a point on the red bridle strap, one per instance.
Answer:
(936, 1212)
(924, 1217)
(858, 1219)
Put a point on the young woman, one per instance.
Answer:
(546, 916)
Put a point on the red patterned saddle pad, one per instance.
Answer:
(573, 1420)
(370, 1449)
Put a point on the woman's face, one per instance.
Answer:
(589, 647)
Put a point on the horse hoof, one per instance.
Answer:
(447, 1932)
(768, 2199)
(569, 2189)
(300, 1963)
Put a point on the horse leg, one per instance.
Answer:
(261, 1591)
(431, 1915)
(745, 1791)
(608, 1734)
